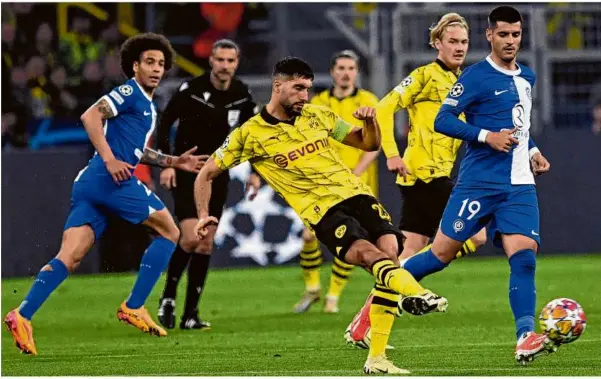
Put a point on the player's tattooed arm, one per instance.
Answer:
(155, 158)
(184, 162)
(105, 109)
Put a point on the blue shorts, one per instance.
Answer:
(92, 199)
(510, 209)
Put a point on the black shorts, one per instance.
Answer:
(359, 217)
(183, 195)
(423, 205)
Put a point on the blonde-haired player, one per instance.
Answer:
(424, 172)
(344, 98)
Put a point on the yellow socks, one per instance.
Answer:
(382, 312)
(339, 278)
(395, 278)
(310, 261)
(467, 248)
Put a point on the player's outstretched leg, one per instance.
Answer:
(384, 266)
(310, 261)
(338, 280)
(154, 261)
(76, 242)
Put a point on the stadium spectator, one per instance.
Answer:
(63, 102)
(112, 71)
(92, 82)
(14, 109)
(77, 47)
(43, 45)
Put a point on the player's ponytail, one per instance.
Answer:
(449, 19)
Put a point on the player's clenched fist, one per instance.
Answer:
(540, 164)
(365, 113)
(201, 227)
(502, 141)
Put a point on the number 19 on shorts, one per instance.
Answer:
(473, 207)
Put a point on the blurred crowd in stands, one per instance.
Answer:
(49, 75)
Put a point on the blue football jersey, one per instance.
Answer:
(127, 133)
(492, 99)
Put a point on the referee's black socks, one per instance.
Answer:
(197, 275)
(177, 265)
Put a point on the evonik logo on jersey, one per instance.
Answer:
(282, 160)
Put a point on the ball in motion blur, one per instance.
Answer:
(563, 320)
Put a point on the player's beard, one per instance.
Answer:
(290, 111)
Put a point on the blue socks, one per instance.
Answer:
(522, 290)
(424, 264)
(155, 260)
(45, 283)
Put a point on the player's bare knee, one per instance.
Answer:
(170, 232)
(517, 242)
(188, 243)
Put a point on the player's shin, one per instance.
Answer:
(48, 279)
(395, 278)
(153, 263)
(383, 310)
(522, 291)
(310, 261)
(424, 264)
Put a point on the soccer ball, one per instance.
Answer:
(563, 320)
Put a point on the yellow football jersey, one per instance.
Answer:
(429, 154)
(345, 108)
(296, 159)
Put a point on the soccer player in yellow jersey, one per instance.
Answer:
(424, 172)
(344, 98)
(288, 144)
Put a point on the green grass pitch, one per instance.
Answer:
(255, 333)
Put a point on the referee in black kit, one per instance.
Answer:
(207, 107)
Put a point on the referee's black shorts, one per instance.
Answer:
(423, 205)
(183, 195)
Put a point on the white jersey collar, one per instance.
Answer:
(504, 70)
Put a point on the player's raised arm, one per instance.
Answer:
(366, 138)
(93, 120)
